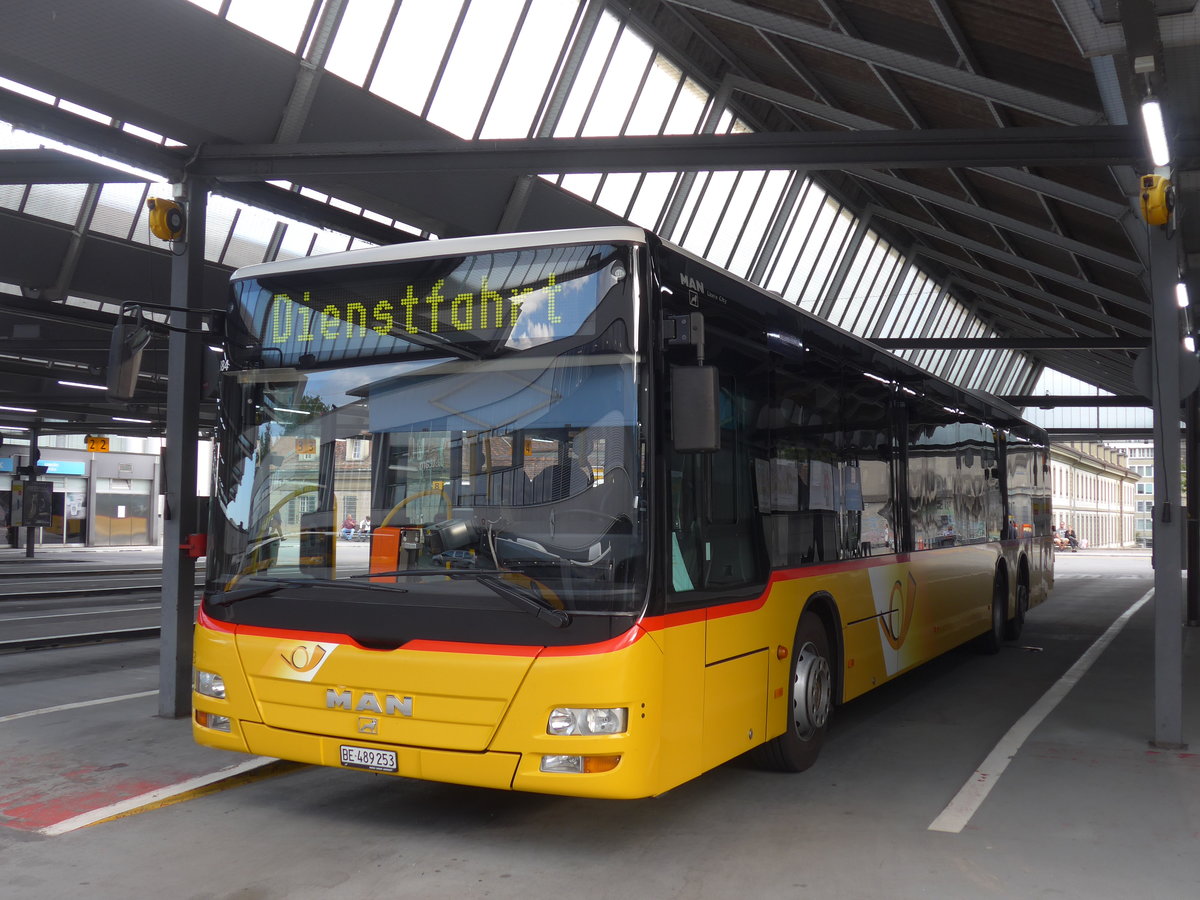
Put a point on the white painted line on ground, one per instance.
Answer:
(970, 797)
(152, 797)
(79, 705)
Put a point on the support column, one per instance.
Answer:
(183, 408)
(1192, 446)
(1169, 514)
(35, 457)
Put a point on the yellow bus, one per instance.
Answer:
(630, 517)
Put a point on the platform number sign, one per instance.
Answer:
(96, 444)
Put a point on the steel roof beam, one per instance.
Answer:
(1008, 223)
(1043, 186)
(905, 63)
(169, 162)
(1053, 400)
(932, 148)
(1051, 316)
(1066, 342)
(1142, 306)
(47, 166)
(1032, 291)
(1096, 38)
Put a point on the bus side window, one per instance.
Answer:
(712, 506)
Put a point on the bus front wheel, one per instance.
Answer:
(811, 702)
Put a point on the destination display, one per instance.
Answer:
(507, 300)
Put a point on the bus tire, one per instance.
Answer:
(811, 702)
(1012, 628)
(993, 639)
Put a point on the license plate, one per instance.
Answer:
(366, 758)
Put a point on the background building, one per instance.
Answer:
(1096, 492)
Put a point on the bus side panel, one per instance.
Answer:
(735, 706)
(681, 753)
(957, 588)
(631, 677)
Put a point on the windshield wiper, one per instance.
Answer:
(449, 572)
(528, 599)
(228, 598)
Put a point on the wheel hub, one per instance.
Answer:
(812, 692)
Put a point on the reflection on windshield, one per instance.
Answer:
(523, 466)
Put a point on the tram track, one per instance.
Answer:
(50, 642)
(81, 593)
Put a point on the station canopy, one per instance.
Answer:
(956, 179)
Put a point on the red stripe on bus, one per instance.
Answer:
(753, 604)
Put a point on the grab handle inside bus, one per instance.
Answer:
(695, 409)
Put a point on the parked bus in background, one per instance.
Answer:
(632, 517)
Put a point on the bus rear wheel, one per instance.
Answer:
(811, 702)
(1013, 627)
(993, 639)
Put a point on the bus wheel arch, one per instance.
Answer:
(812, 691)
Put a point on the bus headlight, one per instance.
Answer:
(579, 765)
(213, 721)
(589, 720)
(210, 684)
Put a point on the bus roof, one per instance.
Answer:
(624, 234)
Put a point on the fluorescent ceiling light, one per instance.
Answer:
(17, 409)
(139, 421)
(1181, 297)
(94, 387)
(12, 428)
(1189, 344)
(1156, 133)
(299, 412)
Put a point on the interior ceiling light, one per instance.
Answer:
(1181, 297)
(17, 409)
(1156, 133)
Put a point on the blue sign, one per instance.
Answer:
(61, 467)
(53, 466)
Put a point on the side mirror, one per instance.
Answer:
(695, 409)
(129, 339)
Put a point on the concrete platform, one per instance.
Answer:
(1084, 808)
(52, 559)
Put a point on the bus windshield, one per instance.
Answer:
(462, 432)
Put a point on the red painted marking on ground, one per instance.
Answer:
(45, 788)
(37, 810)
